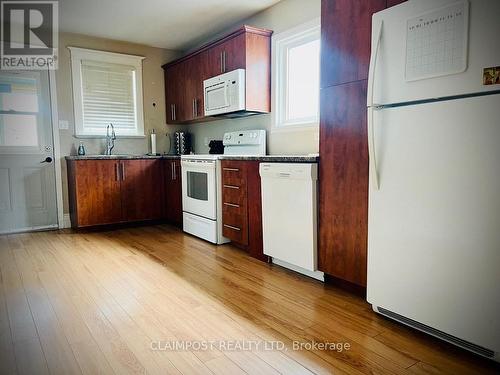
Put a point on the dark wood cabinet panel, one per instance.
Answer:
(346, 39)
(343, 182)
(254, 198)
(94, 192)
(258, 71)
(242, 206)
(141, 189)
(173, 191)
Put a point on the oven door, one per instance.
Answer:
(199, 193)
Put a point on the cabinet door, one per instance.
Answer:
(95, 192)
(175, 92)
(343, 182)
(141, 189)
(346, 39)
(228, 55)
(197, 71)
(173, 191)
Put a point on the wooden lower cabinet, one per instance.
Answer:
(242, 206)
(94, 192)
(141, 189)
(123, 190)
(173, 191)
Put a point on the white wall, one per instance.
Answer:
(280, 17)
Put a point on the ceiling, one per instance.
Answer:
(171, 24)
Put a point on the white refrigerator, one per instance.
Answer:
(434, 145)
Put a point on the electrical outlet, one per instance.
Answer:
(205, 141)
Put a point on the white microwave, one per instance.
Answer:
(225, 93)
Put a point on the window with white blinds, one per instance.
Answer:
(107, 89)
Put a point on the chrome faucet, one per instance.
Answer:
(110, 139)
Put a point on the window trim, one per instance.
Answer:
(279, 42)
(79, 54)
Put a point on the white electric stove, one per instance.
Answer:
(202, 184)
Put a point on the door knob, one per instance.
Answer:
(48, 159)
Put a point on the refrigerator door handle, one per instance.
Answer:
(373, 63)
(371, 150)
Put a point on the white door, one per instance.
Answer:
(433, 227)
(27, 176)
(199, 193)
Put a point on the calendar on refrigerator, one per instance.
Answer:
(436, 42)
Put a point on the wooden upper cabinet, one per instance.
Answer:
(141, 189)
(227, 56)
(174, 93)
(196, 71)
(246, 48)
(346, 39)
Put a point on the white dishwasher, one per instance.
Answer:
(289, 215)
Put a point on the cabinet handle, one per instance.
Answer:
(123, 171)
(194, 108)
(231, 169)
(231, 187)
(116, 171)
(221, 63)
(231, 227)
(172, 112)
(231, 205)
(174, 169)
(224, 61)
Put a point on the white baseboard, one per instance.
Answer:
(66, 221)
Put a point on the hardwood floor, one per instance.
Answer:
(100, 302)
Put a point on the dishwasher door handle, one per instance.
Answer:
(284, 175)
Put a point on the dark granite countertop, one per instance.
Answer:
(121, 157)
(312, 158)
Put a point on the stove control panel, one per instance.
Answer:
(251, 142)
